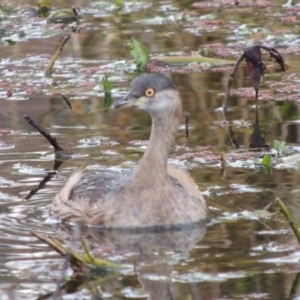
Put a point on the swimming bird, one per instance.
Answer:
(155, 194)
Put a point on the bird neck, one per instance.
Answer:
(153, 166)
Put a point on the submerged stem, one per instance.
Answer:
(289, 217)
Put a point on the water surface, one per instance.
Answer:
(238, 255)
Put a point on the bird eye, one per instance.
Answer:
(149, 92)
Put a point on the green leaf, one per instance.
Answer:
(44, 3)
(139, 52)
(119, 3)
(107, 87)
(267, 160)
(107, 102)
(267, 163)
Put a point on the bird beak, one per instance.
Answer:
(130, 100)
(127, 101)
(140, 102)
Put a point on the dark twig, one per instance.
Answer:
(46, 134)
(277, 56)
(232, 137)
(57, 163)
(186, 125)
(75, 11)
(41, 185)
(60, 155)
(66, 101)
(232, 75)
(256, 67)
(233, 140)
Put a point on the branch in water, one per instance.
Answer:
(77, 260)
(56, 55)
(289, 218)
(45, 133)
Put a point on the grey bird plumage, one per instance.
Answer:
(155, 193)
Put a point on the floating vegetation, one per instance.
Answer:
(280, 147)
(64, 16)
(78, 261)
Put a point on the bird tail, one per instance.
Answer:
(64, 195)
(67, 209)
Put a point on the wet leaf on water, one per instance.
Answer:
(10, 42)
(63, 16)
(107, 87)
(139, 52)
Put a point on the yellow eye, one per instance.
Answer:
(150, 92)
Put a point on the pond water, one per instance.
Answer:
(243, 252)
